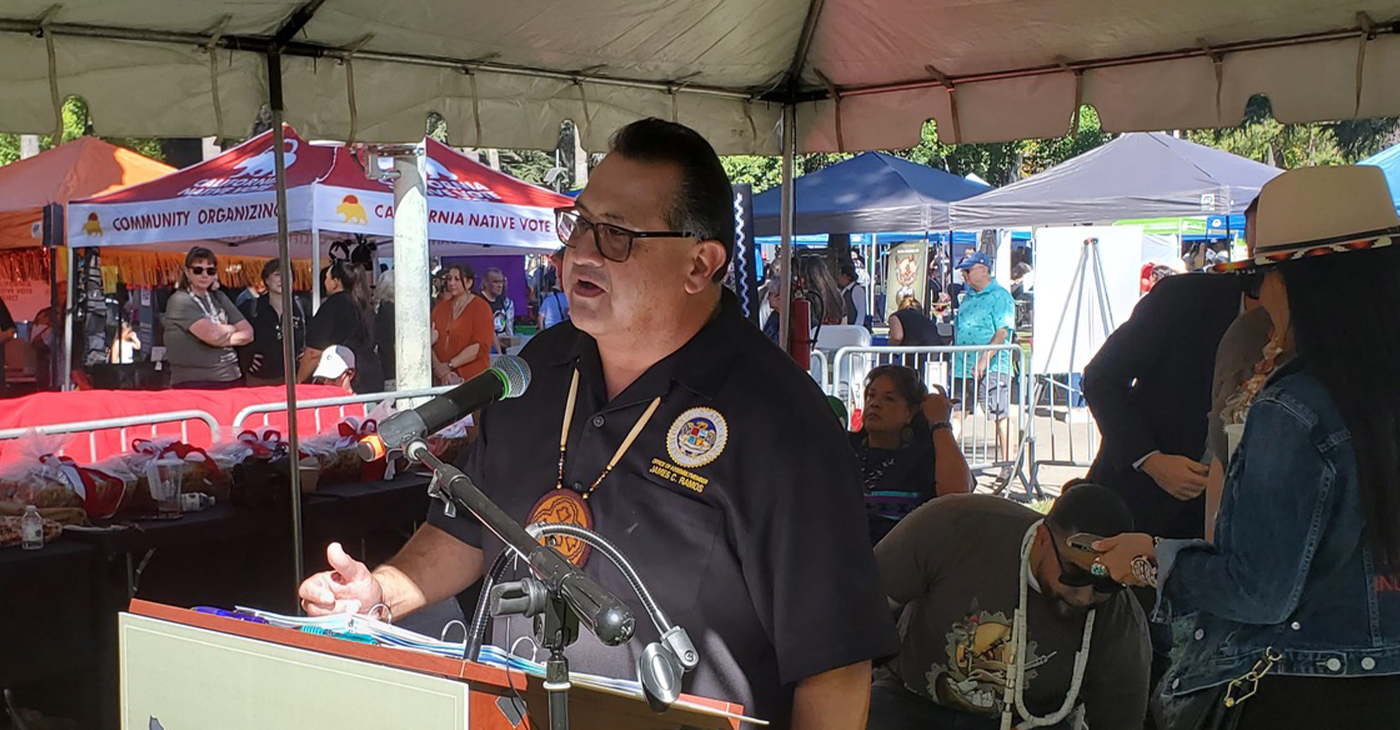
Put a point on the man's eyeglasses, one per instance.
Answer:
(1074, 576)
(614, 242)
(204, 270)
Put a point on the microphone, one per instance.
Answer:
(508, 377)
(598, 610)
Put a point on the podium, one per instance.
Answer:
(182, 670)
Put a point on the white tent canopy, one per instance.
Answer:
(1139, 175)
(864, 75)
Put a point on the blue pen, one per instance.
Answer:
(221, 613)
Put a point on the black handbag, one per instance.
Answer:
(262, 481)
(1201, 710)
(1213, 708)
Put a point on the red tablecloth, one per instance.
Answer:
(42, 409)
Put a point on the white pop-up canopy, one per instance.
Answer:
(863, 74)
(1143, 175)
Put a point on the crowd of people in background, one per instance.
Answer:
(213, 342)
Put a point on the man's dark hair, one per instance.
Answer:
(1091, 508)
(848, 270)
(271, 267)
(704, 205)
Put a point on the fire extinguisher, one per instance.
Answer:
(800, 333)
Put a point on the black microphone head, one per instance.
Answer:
(514, 373)
(614, 626)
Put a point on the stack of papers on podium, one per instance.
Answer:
(347, 623)
(495, 656)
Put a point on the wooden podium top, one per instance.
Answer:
(588, 707)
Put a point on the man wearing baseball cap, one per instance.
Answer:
(337, 367)
(987, 316)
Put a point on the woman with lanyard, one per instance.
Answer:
(346, 318)
(202, 327)
(265, 354)
(906, 447)
(463, 330)
(1296, 599)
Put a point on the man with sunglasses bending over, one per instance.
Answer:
(685, 438)
(988, 590)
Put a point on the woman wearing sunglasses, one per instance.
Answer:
(202, 327)
(1296, 603)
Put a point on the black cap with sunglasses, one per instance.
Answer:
(1085, 507)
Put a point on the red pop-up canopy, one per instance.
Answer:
(468, 203)
(232, 199)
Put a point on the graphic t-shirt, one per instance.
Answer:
(503, 315)
(954, 566)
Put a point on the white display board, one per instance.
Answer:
(1059, 292)
(177, 677)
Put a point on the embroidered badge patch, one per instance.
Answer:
(697, 437)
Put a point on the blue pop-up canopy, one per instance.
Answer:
(1388, 161)
(868, 193)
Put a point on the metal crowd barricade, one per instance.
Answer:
(819, 366)
(1071, 435)
(366, 401)
(122, 425)
(977, 434)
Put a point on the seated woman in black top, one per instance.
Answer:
(910, 327)
(906, 447)
(346, 318)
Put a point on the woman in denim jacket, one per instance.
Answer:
(1296, 605)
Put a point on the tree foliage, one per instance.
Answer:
(78, 123)
(1259, 137)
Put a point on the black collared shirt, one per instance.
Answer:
(739, 504)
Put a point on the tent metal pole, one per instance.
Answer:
(67, 365)
(412, 276)
(787, 214)
(50, 242)
(289, 356)
(316, 268)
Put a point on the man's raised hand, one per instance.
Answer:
(348, 587)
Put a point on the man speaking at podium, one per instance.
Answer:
(689, 441)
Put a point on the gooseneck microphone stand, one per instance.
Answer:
(661, 665)
(558, 595)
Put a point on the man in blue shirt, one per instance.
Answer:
(986, 316)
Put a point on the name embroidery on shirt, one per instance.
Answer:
(676, 475)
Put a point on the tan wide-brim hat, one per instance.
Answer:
(1316, 211)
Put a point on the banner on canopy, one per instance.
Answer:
(234, 196)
